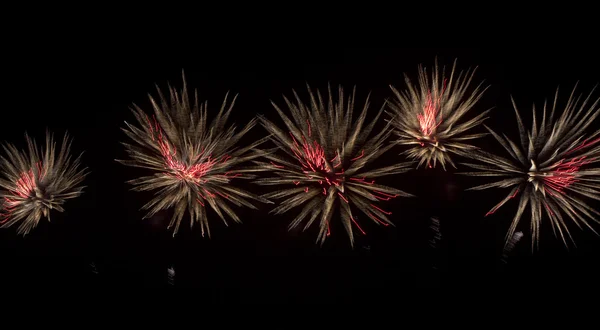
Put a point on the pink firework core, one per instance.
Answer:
(181, 170)
(27, 184)
(178, 168)
(25, 187)
(564, 174)
(311, 156)
(428, 120)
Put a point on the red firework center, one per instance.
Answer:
(562, 175)
(428, 120)
(312, 158)
(195, 173)
(25, 188)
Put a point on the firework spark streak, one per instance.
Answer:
(93, 268)
(194, 163)
(551, 169)
(428, 118)
(171, 275)
(325, 160)
(36, 181)
(437, 234)
(511, 245)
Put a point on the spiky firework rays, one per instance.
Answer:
(194, 163)
(428, 118)
(36, 181)
(327, 156)
(551, 169)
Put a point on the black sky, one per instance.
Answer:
(88, 90)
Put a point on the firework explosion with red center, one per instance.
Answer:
(324, 156)
(312, 159)
(174, 166)
(554, 167)
(193, 163)
(37, 181)
(563, 175)
(24, 190)
(428, 119)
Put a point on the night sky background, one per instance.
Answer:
(101, 241)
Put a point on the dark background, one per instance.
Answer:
(88, 90)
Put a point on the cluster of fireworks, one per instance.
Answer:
(322, 158)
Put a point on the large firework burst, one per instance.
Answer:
(194, 163)
(551, 168)
(36, 181)
(327, 155)
(428, 118)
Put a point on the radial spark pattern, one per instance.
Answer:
(323, 156)
(193, 163)
(552, 168)
(36, 181)
(428, 117)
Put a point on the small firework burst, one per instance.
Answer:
(551, 169)
(428, 118)
(326, 163)
(194, 163)
(36, 181)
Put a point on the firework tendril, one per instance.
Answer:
(323, 155)
(193, 163)
(551, 170)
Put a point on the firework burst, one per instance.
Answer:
(325, 161)
(428, 118)
(551, 169)
(194, 163)
(36, 181)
